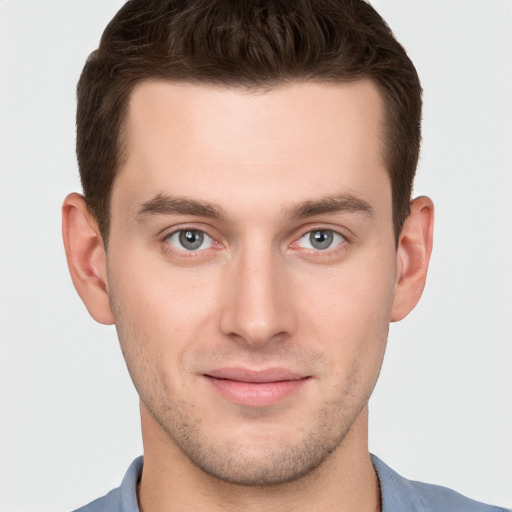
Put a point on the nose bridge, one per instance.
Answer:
(257, 309)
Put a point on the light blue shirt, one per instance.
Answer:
(398, 495)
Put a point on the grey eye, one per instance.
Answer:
(321, 239)
(190, 240)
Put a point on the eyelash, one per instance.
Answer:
(184, 253)
(333, 249)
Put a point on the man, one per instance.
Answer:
(247, 225)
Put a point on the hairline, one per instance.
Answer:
(255, 87)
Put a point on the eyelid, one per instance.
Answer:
(206, 239)
(337, 238)
(165, 234)
(185, 226)
(336, 247)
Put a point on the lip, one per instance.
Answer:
(256, 388)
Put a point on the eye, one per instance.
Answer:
(189, 240)
(320, 239)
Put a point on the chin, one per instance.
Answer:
(269, 461)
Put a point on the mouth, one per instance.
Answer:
(259, 388)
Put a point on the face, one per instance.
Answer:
(251, 270)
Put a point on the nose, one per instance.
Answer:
(258, 306)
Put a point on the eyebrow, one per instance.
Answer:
(174, 205)
(331, 204)
(171, 205)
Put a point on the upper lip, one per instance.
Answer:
(255, 376)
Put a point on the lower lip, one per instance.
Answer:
(256, 394)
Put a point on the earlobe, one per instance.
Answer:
(413, 256)
(86, 257)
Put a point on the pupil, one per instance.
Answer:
(321, 239)
(191, 239)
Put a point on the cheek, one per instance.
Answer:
(162, 310)
(349, 316)
(354, 296)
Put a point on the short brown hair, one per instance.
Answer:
(242, 43)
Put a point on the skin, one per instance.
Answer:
(254, 173)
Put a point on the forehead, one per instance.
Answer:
(216, 142)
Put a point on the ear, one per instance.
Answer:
(86, 257)
(412, 257)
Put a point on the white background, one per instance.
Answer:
(442, 411)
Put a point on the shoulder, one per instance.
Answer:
(438, 498)
(108, 503)
(122, 499)
(400, 494)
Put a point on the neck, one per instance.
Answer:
(345, 481)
